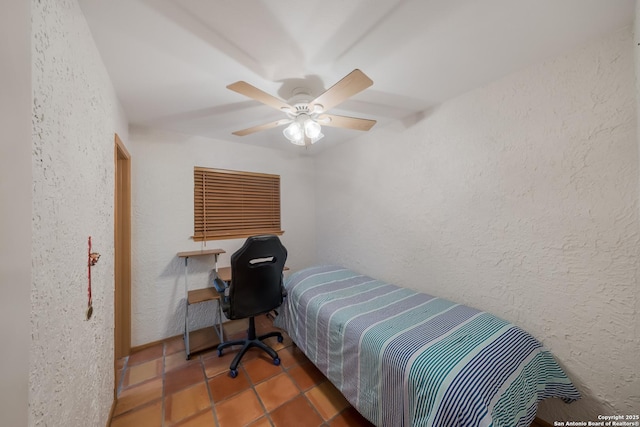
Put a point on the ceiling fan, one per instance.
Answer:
(306, 115)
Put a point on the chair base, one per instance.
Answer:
(251, 341)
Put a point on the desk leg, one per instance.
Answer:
(186, 308)
(218, 320)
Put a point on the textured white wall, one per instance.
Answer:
(519, 198)
(15, 210)
(636, 36)
(75, 115)
(162, 192)
(637, 75)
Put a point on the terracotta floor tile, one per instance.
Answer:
(306, 375)
(233, 337)
(150, 353)
(273, 341)
(239, 410)
(254, 352)
(327, 400)
(203, 419)
(139, 395)
(223, 386)
(262, 422)
(144, 371)
(286, 356)
(178, 360)
(173, 345)
(263, 318)
(214, 365)
(185, 403)
(183, 377)
(209, 352)
(200, 392)
(250, 354)
(293, 352)
(350, 418)
(298, 413)
(147, 416)
(276, 391)
(261, 368)
(263, 324)
(234, 327)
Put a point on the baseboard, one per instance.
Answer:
(151, 344)
(112, 411)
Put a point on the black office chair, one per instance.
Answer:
(256, 288)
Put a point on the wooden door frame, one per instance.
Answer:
(122, 254)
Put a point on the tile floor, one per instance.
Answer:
(159, 387)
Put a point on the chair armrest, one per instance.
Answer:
(223, 289)
(220, 285)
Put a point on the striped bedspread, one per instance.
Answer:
(404, 358)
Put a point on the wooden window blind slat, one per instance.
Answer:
(234, 204)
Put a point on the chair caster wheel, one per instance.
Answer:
(219, 353)
(280, 339)
(233, 373)
(276, 361)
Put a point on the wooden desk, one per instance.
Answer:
(196, 296)
(201, 252)
(203, 339)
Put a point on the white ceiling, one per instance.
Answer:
(171, 60)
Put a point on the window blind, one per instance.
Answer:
(233, 204)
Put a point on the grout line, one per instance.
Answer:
(242, 371)
(212, 407)
(314, 407)
(252, 386)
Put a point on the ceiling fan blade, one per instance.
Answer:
(258, 128)
(345, 122)
(253, 92)
(354, 82)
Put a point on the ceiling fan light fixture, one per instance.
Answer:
(293, 132)
(299, 141)
(312, 129)
(302, 130)
(317, 138)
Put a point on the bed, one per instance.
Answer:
(404, 358)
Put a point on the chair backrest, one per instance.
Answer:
(256, 277)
